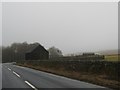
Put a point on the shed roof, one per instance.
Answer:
(31, 47)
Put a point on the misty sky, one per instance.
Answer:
(71, 27)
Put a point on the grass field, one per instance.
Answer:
(112, 57)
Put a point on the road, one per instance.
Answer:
(14, 76)
(0, 75)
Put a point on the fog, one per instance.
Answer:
(0, 24)
(71, 27)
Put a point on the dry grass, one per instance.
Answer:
(112, 57)
(102, 80)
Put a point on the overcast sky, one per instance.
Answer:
(71, 27)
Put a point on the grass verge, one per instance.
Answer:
(99, 79)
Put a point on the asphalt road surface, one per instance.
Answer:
(14, 76)
(0, 76)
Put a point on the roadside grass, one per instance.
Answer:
(92, 72)
(112, 57)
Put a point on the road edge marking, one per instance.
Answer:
(9, 69)
(16, 74)
(30, 85)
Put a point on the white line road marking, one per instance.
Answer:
(16, 74)
(30, 85)
(9, 69)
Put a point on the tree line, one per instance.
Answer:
(16, 52)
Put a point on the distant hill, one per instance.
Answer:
(109, 52)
